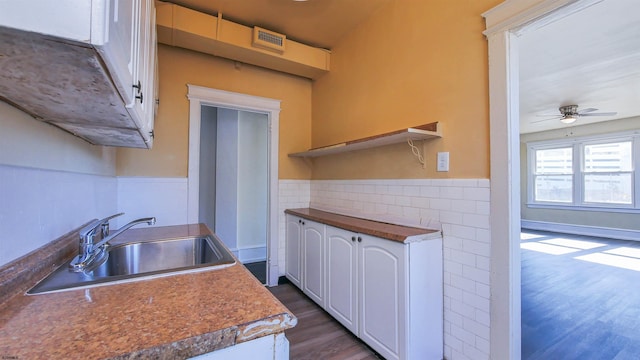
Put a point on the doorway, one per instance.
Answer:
(504, 24)
(259, 113)
(234, 182)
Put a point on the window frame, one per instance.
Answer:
(579, 175)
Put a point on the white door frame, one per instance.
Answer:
(504, 25)
(201, 96)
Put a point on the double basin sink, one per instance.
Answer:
(135, 260)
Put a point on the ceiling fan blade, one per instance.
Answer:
(547, 119)
(547, 115)
(587, 110)
(600, 114)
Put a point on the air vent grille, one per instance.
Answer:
(269, 40)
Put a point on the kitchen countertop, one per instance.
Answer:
(168, 317)
(382, 230)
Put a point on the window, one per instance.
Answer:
(585, 173)
(553, 176)
(608, 173)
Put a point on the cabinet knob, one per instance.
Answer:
(303, 223)
(353, 238)
(137, 86)
(299, 221)
(359, 239)
(139, 97)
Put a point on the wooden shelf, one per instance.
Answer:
(422, 132)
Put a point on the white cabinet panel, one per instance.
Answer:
(313, 261)
(270, 347)
(382, 295)
(341, 299)
(304, 253)
(120, 48)
(293, 248)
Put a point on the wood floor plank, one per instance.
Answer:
(318, 335)
(575, 308)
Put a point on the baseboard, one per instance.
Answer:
(612, 233)
(251, 254)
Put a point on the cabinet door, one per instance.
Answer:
(382, 295)
(121, 46)
(341, 299)
(313, 261)
(142, 106)
(293, 243)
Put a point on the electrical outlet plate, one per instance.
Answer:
(443, 161)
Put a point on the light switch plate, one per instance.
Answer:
(443, 161)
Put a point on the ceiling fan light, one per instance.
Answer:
(569, 119)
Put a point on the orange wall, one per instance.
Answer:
(178, 67)
(414, 62)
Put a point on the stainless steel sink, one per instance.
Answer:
(142, 259)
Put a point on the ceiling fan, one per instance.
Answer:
(569, 114)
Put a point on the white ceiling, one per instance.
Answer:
(590, 59)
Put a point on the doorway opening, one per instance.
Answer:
(234, 182)
(505, 23)
(233, 174)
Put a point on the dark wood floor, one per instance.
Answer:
(318, 335)
(575, 307)
(258, 269)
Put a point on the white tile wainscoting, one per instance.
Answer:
(41, 205)
(164, 198)
(37, 206)
(459, 206)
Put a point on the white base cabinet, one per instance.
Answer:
(305, 254)
(388, 293)
(341, 300)
(382, 295)
(270, 347)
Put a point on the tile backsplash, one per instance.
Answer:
(460, 207)
(37, 206)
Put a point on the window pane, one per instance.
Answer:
(608, 188)
(554, 188)
(554, 161)
(609, 157)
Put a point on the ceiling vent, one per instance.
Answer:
(268, 40)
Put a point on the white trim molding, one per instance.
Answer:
(504, 24)
(201, 96)
(620, 234)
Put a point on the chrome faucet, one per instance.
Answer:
(92, 254)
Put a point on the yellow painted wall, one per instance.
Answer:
(179, 67)
(414, 62)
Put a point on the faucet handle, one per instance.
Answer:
(104, 225)
(106, 220)
(90, 229)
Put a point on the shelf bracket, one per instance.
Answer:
(416, 151)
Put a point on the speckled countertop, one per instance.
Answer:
(374, 228)
(169, 317)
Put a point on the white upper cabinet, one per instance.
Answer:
(121, 44)
(101, 50)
